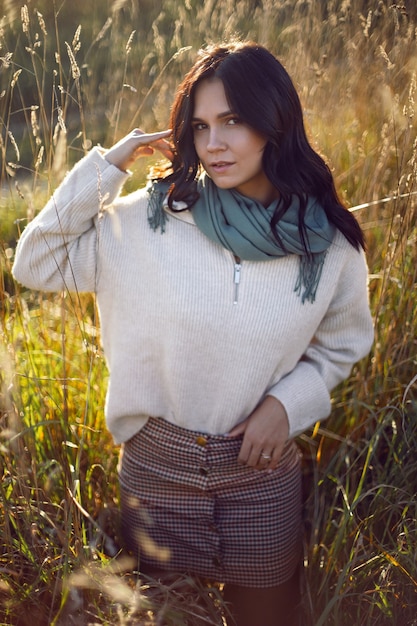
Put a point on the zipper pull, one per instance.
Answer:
(236, 280)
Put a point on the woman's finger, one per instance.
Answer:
(155, 140)
(164, 147)
(149, 138)
(136, 144)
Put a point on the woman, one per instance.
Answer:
(233, 298)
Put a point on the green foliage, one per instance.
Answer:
(75, 73)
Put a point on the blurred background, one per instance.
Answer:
(74, 74)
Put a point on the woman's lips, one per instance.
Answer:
(221, 166)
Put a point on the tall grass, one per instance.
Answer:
(72, 76)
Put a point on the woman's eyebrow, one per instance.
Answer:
(219, 116)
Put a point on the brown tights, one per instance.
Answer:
(251, 606)
(273, 606)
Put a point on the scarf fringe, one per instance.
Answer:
(309, 276)
(157, 217)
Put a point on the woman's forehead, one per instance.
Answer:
(210, 99)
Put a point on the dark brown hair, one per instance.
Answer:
(260, 91)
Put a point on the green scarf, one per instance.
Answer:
(243, 226)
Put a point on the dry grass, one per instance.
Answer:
(74, 76)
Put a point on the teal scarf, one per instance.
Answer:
(243, 226)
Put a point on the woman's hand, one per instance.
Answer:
(136, 144)
(265, 433)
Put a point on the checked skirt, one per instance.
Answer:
(188, 507)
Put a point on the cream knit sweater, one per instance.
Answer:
(187, 336)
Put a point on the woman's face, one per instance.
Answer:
(229, 150)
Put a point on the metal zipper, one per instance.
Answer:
(236, 278)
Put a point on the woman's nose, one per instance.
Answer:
(215, 140)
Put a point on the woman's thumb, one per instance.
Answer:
(239, 429)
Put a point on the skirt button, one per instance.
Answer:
(201, 441)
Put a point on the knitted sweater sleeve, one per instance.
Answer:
(57, 250)
(344, 336)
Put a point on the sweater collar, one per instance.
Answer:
(179, 211)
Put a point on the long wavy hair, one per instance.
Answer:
(260, 91)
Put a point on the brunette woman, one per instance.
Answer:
(233, 298)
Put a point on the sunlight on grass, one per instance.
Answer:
(73, 76)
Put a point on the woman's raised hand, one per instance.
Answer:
(136, 144)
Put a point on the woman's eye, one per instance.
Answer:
(232, 121)
(199, 126)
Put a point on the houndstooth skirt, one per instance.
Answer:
(187, 506)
